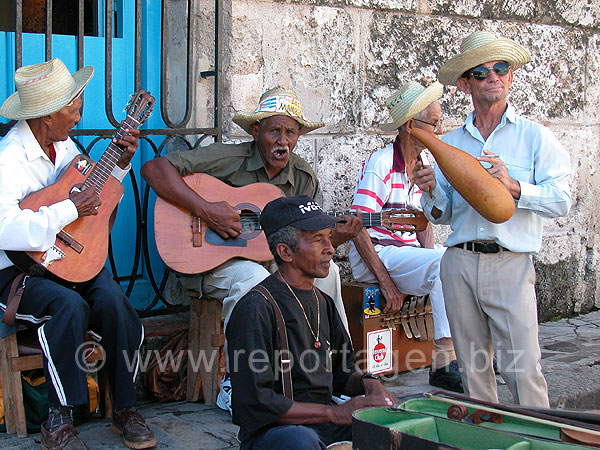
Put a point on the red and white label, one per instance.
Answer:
(379, 351)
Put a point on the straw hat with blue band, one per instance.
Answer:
(43, 89)
(480, 47)
(408, 101)
(276, 102)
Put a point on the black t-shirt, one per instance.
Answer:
(253, 344)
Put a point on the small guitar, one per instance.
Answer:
(81, 247)
(186, 243)
(409, 220)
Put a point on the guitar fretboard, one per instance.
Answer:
(109, 159)
(368, 219)
(397, 220)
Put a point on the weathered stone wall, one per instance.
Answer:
(344, 57)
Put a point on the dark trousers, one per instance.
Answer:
(66, 313)
(299, 437)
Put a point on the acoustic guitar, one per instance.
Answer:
(80, 249)
(186, 244)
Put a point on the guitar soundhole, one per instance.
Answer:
(249, 220)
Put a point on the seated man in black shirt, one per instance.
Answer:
(321, 354)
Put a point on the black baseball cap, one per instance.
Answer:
(301, 212)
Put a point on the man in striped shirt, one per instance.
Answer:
(404, 262)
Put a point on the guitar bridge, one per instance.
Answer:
(196, 232)
(52, 254)
(70, 241)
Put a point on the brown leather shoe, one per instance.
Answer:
(130, 424)
(64, 437)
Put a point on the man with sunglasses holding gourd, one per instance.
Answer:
(487, 272)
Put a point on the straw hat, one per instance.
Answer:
(276, 102)
(410, 100)
(43, 89)
(480, 47)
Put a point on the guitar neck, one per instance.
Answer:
(104, 167)
(393, 219)
(368, 219)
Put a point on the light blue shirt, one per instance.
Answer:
(534, 157)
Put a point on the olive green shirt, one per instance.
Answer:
(241, 164)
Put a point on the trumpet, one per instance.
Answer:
(486, 194)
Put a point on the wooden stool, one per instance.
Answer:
(11, 366)
(204, 343)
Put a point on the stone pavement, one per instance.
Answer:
(570, 361)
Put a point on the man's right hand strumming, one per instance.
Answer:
(86, 201)
(222, 218)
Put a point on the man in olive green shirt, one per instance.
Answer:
(241, 164)
(275, 125)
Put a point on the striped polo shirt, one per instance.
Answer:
(383, 184)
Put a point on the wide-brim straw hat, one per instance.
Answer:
(276, 102)
(410, 100)
(43, 89)
(480, 47)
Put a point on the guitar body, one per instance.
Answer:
(80, 249)
(85, 255)
(186, 243)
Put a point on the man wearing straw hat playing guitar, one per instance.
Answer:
(33, 156)
(276, 124)
(487, 271)
(404, 261)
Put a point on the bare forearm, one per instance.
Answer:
(393, 297)
(367, 252)
(307, 413)
(166, 181)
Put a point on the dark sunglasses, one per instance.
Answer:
(481, 73)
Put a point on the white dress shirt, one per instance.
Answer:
(25, 168)
(534, 157)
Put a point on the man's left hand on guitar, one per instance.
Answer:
(130, 144)
(344, 231)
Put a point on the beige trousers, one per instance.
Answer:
(492, 309)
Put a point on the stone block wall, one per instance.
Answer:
(344, 57)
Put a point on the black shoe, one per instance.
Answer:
(447, 377)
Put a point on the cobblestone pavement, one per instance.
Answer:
(570, 361)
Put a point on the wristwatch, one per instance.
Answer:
(367, 375)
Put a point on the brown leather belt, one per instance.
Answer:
(481, 247)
